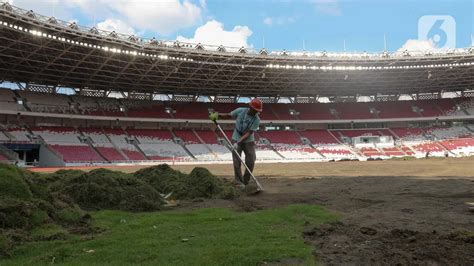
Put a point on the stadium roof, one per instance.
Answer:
(43, 50)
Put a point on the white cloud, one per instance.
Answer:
(161, 16)
(213, 32)
(55, 8)
(329, 7)
(115, 25)
(269, 21)
(417, 45)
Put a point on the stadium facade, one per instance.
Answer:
(40, 126)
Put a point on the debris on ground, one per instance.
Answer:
(27, 204)
(200, 183)
(105, 189)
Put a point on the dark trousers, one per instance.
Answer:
(250, 157)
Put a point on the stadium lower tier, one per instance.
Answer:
(58, 146)
(21, 100)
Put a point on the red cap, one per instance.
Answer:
(256, 104)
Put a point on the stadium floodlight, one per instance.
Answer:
(199, 47)
(52, 20)
(73, 26)
(7, 6)
(263, 51)
(242, 50)
(221, 48)
(30, 14)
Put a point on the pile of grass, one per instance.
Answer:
(26, 203)
(200, 183)
(30, 202)
(105, 189)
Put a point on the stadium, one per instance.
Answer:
(83, 98)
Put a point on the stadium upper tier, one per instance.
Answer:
(43, 50)
(59, 104)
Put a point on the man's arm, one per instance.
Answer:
(245, 136)
(225, 115)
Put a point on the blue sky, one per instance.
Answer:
(314, 24)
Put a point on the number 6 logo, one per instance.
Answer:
(439, 30)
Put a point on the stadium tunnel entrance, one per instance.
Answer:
(29, 153)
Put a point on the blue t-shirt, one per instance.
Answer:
(243, 123)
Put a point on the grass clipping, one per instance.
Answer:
(200, 183)
(29, 201)
(105, 189)
(141, 191)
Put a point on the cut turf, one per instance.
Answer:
(200, 237)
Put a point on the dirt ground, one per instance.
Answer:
(392, 212)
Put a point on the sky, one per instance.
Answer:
(294, 25)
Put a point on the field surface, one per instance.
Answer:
(435, 167)
(389, 212)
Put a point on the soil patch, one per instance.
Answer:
(337, 244)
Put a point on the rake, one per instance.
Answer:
(259, 186)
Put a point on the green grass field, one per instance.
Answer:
(200, 237)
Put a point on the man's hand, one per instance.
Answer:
(236, 146)
(214, 116)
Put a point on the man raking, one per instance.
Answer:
(247, 122)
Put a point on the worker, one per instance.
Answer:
(247, 121)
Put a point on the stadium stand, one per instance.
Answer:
(462, 146)
(146, 109)
(289, 145)
(18, 134)
(352, 110)
(450, 132)
(43, 102)
(3, 158)
(190, 110)
(308, 111)
(408, 133)
(58, 135)
(158, 144)
(319, 136)
(191, 141)
(394, 109)
(327, 144)
(54, 103)
(8, 101)
(118, 137)
(3, 137)
(211, 140)
(77, 153)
